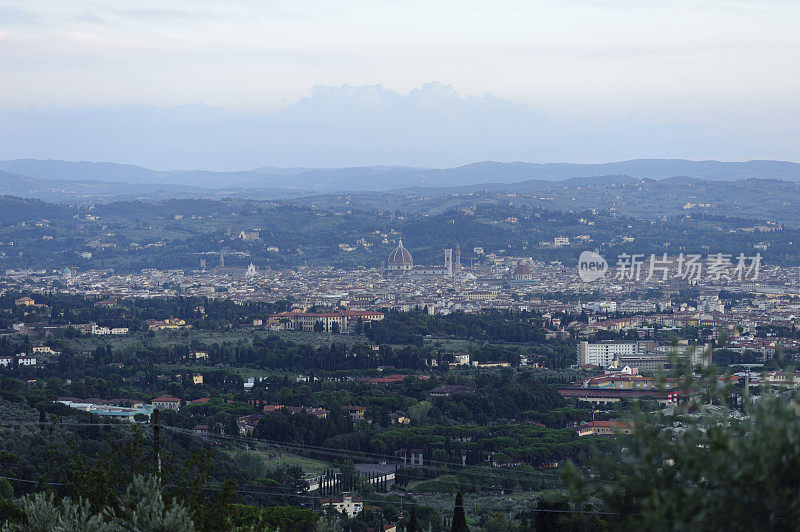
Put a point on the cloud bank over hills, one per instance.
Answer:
(432, 126)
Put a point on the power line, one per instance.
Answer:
(500, 475)
(333, 451)
(344, 453)
(213, 488)
(507, 475)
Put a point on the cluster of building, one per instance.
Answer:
(333, 300)
(167, 324)
(603, 428)
(18, 360)
(623, 363)
(37, 329)
(247, 424)
(497, 281)
(607, 390)
(33, 358)
(125, 409)
(333, 321)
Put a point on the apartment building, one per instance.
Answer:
(603, 353)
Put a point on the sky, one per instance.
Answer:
(246, 83)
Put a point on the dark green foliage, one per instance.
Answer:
(10, 512)
(283, 518)
(142, 506)
(702, 468)
(459, 516)
(410, 327)
(413, 524)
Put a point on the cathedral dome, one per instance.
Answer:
(522, 269)
(400, 258)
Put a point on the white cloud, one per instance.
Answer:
(432, 125)
(727, 65)
(254, 54)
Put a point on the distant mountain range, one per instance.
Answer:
(91, 191)
(290, 181)
(768, 190)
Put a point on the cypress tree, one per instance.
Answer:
(413, 525)
(459, 516)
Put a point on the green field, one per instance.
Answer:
(450, 344)
(267, 458)
(144, 340)
(309, 465)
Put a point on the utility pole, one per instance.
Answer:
(746, 389)
(156, 442)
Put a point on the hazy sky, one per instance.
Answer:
(701, 78)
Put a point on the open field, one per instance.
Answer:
(309, 465)
(146, 340)
(243, 371)
(267, 458)
(450, 344)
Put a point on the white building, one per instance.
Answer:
(603, 353)
(347, 504)
(462, 359)
(710, 304)
(601, 306)
(44, 349)
(637, 306)
(102, 331)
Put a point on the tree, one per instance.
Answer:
(459, 516)
(6, 489)
(284, 518)
(335, 329)
(715, 470)
(413, 525)
(318, 326)
(141, 507)
(496, 521)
